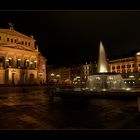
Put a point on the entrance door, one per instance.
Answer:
(32, 78)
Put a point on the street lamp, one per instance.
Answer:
(58, 77)
(52, 74)
(52, 77)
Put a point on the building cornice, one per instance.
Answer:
(15, 33)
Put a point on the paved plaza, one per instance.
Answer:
(31, 108)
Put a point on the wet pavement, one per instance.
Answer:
(31, 108)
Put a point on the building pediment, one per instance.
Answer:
(15, 33)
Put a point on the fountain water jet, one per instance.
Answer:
(102, 63)
(103, 80)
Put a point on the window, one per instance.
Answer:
(113, 67)
(118, 67)
(128, 66)
(123, 66)
(123, 71)
(8, 39)
(118, 71)
(1, 60)
(29, 44)
(35, 63)
(18, 62)
(31, 64)
(25, 43)
(27, 63)
(129, 70)
(9, 62)
(0, 37)
(11, 40)
(22, 42)
(132, 65)
(15, 40)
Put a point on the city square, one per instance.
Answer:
(62, 76)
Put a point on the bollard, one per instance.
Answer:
(139, 104)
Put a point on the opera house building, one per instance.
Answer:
(20, 61)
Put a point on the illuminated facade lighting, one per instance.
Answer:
(17, 56)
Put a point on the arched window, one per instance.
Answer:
(128, 66)
(35, 64)
(31, 64)
(9, 62)
(1, 61)
(118, 67)
(18, 62)
(26, 63)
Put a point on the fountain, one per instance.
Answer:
(103, 80)
(102, 63)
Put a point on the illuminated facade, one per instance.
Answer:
(86, 70)
(129, 68)
(20, 60)
(125, 65)
(75, 71)
(59, 75)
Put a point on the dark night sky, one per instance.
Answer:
(72, 37)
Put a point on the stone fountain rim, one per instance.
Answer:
(105, 73)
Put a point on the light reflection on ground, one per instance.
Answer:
(32, 109)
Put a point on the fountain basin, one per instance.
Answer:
(106, 82)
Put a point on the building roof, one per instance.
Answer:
(15, 33)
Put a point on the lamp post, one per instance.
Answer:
(52, 77)
(58, 77)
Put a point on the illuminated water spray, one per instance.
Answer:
(103, 80)
(102, 62)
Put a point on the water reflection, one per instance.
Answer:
(33, 109)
